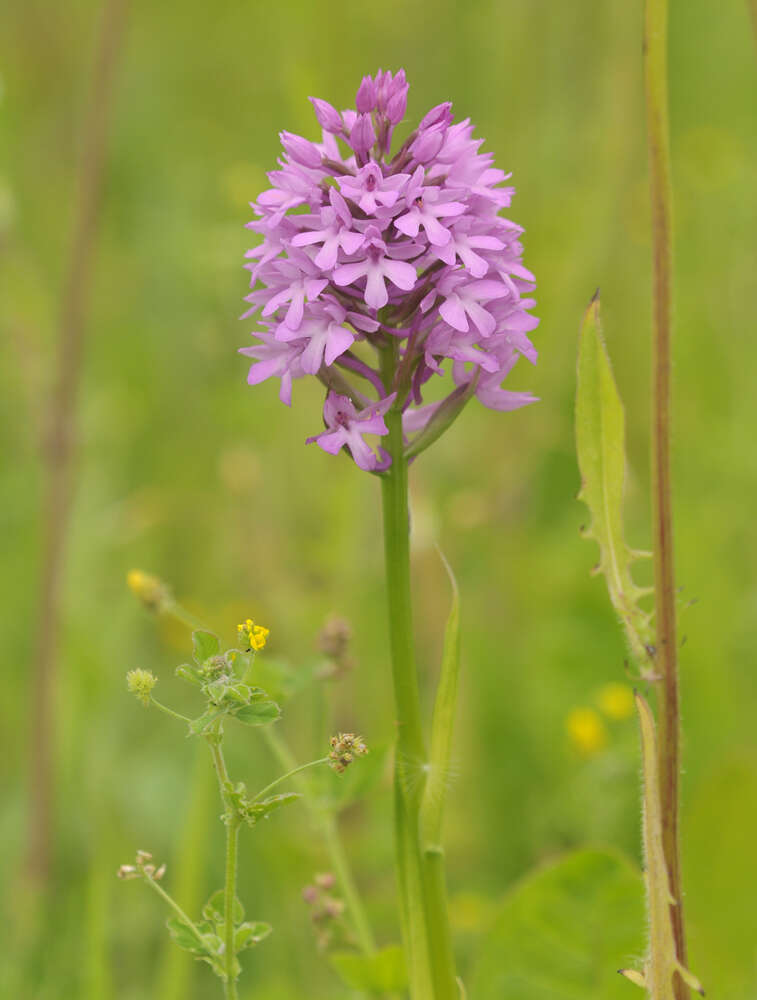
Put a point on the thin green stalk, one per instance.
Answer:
(230, 885)
(341, 868)
(293, 771)
(327, 825)
(169, 711)
(175, 610)
(424, 905)
(173, 904)
(230, 892)
(666, 656)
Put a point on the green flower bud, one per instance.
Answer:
(141, 683)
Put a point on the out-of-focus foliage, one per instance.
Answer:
(563, 930)
(183, 470)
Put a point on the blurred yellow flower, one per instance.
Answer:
(586, 731)
(616, 701)
(151, 591)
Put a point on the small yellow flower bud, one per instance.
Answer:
(586, 731)
(252, 635)
(616, 701)
(140, 683)
(150, 590)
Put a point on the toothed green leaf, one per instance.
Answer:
(662, 961)
(600, 442)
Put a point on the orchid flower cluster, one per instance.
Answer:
(365, 251)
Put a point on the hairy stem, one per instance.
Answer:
(230, 892)
(59, 443)
(232, 822)
(666, 658)
(327, 826)
(173, 904)
(289, 774)
(423, 905)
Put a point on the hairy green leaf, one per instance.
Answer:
(249, 934)
(255, 811)
(662, 961)
(205, 645)
(600, 441)
(213, 910)
(382, 972)
(257, 713)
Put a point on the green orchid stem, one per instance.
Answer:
(327, 825)
(421, 879)
(666, 655)
(294, 770)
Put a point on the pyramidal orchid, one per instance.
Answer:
(366, 251)
(391, 276)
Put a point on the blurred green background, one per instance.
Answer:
(183, 470)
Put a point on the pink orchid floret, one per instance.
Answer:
(362, 248)
(346, 426)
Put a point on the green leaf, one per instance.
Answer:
(443, 417)
(258, 713)
(205, 645)
(213, 910)
(189, 673)
(200, 724)
(249, 934)
(255, 811)
(564, 931)
(186, 937)
(382, 972)
(442, 725)
(663, 961)
(600, 442)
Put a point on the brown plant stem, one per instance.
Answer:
(752, 4)
(59, 443)
(666, 650)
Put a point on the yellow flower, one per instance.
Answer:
(616, 701)
(253, 635)
(586, 731)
